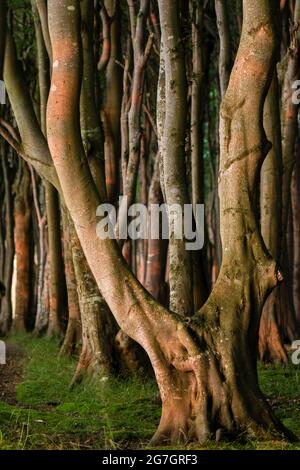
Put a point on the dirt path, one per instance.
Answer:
(11, 373)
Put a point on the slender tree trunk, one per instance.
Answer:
(56, 277)
(225, 45)
(90, 118)
(172, 145)
(197, 162)
(225, 63)
(73, 332)
(2, 35)
(6, 304)
(197, 105)
(289, 129)
(44, 53)
(295, 192)
(157, 249)
(57, 288)
(42, 311)
(22, 216)
(113, 102)
(98, 328)
(2, 53)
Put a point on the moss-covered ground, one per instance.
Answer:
(38, 410)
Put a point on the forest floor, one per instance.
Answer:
(38, 410)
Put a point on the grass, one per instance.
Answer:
(115, 414)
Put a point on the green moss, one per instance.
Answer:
(114, 414)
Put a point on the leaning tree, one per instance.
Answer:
(204, 362)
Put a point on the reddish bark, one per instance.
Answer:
(22, 215)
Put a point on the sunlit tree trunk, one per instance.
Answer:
(22, 216)
(206, 367)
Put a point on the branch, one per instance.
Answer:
(9, 127)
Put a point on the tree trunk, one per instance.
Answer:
(2, 35)
(270, 341)
(295, 192)
(42, 311)
(172, 145)
(113, 102)
(197, 163)
(157, 249)
(22, 215)
(225, 46)
(98, 328)
(140, 57)
(73, 332)
(205, 367)
(6, 304)
(57, 288)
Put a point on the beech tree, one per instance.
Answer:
(139, 124)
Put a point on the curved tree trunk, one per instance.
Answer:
(6, 304)
(205, 367)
